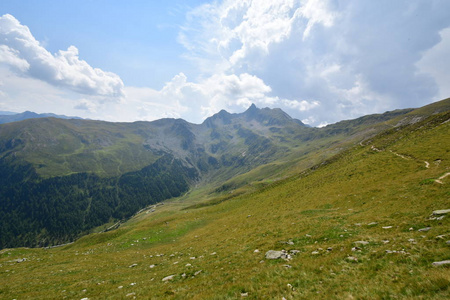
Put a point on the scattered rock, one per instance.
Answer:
(315, 253)
(198, 272)
(188, 265)
(413, 241)
(130, 294)
(120, 287)
(19, 260)
(356, 249)
(132, 266)
(372, 224)
(287, 266)
(441, 263)
(385, 241)
(168, 278)
(425, 229)
(329, 249)
(386, 227)
(133, 283)
(152, 266)
(294, 252)
(183, 275)
(244, 294)
(273, 254)
(351, 259)
(441, 212)
(256, 251)
(193, 257)
(440, 237)
(214, 253)
(361, 243)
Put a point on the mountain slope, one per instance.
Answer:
(360, 221)
(61, 178)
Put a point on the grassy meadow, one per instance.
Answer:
(356, 219)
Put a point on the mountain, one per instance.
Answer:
(60, 179)
(7, 117)
(368, 222)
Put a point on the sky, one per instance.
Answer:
(321, 61)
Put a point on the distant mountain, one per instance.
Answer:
(7, 117)
(5, 113)
(59, 178)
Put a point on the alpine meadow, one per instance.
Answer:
(264, 207)
(225, 149)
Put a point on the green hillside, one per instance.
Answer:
(60, 179)
(361, 223)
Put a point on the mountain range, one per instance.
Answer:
(7, 116)
(61, 178)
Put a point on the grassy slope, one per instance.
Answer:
(328, 206)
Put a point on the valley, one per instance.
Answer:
(359, 206)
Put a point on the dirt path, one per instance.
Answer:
(427, 164)
(442, 177)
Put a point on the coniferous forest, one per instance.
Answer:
(41, 212)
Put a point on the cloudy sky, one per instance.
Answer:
(321, 61)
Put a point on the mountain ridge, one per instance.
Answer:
(106, 162)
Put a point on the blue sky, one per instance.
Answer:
(319, 60)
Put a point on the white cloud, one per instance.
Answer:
(10, 57)
(64, 69)
(436, 62)
(352, 57)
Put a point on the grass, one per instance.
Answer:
(358, 195)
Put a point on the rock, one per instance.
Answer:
(244, 294)
(329, 249)
(386, 227)
(351, 259)
(372, 224)
(425, 229)
(294, 252)
(188, 265)
(152, 266)
(315, 253)
(273, 254)
(132, 266)
(385, 241)
(214, 253)
(256, 251)
(130, 294)
(193, 257)
(198, 272)
(447, 242)
(168, 278)
(19, 260)
(183, 275)
(133, 283)
(356, 249)
(361, 243)
(120, 287)
(441, 263)
(441, 212)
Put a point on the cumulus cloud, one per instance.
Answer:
(20, 50)
(321, 60)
